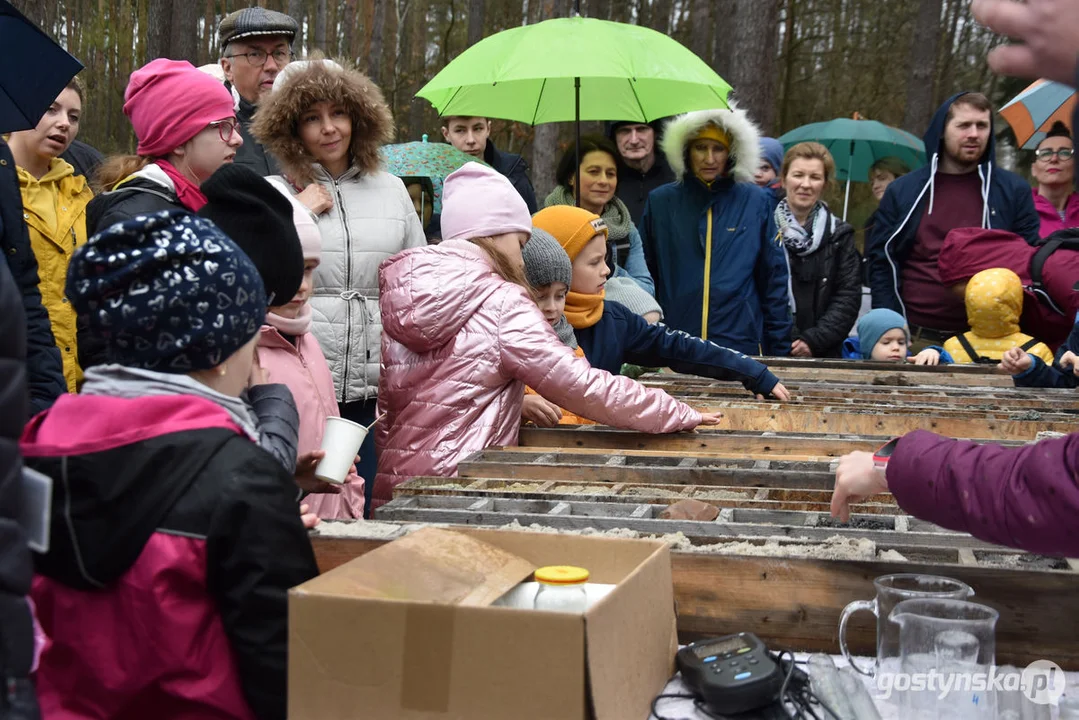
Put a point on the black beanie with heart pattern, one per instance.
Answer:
(167, 292)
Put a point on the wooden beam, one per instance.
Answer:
(598, 437)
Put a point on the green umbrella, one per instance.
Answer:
(432, 161)
(857, 144)
(576, 69)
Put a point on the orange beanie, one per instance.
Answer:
(571, 226)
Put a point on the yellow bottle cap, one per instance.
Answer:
(561, 575)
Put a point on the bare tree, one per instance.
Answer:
(923, 67)
(545, 140)
(723, 37)
(753, 67)
(183, 32)
(476, 10)
(700, 35)
(297, 11)
(158, 18)
(320, 25)
(374, 53)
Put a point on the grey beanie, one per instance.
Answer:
(545, 260)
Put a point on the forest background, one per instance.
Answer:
(790, 62)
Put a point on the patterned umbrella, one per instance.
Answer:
(1032, 112)
(423, 159)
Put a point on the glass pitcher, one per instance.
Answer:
(891, 590)
(947, 650)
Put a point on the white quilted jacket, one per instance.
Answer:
(372, 218)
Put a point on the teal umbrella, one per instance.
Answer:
(432, 161)
(857, 144)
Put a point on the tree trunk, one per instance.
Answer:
(297, 12)
(320, 25)
(158, 18)
(922, 67)
(753, 65)
(723, 38)
(374, 54)
(476, 10)
(545, 150)
(700, 30)
(660, 19)
(417, 66)
(350, 20)
(183, 40)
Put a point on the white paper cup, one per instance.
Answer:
(341, 441)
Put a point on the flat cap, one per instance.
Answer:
(254, 21)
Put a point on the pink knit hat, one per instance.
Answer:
(170, 102)
(478, 201)
(306, 225)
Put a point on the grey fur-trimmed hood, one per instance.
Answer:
(745, 139)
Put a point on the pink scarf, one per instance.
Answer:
(187, 192)
(299, 325)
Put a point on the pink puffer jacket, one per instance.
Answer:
(459, 344)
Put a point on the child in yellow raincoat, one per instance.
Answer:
(994, 303)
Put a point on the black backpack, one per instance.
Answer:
(1067, 239)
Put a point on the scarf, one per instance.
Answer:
(120, 381)
(583, 311)
(796, 238)
(187, 192)
(565, 332)
(615, 214)
(299, 325)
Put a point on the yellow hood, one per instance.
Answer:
(994, 303)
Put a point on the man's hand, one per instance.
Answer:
(1047, 32)
(1015, 361)
(540, 412)
(305, 474)
(779, 393)
(929, 356)
(856, 478)
(317, 198)
(800, 349)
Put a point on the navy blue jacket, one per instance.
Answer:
(515, 169)
(620, 336)
(1010, 207)
(45, 370)
(748, 303)
(1051, 376)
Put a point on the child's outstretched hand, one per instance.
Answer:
(929, 356)
(711, 418)
(779, 393)
(540, 412)
(1015, 361)
(1070, 361)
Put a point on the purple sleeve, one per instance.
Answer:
(1024, 497)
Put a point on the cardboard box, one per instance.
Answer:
(407, 631)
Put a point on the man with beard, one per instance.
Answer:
(960, 187)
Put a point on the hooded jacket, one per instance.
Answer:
(44, 367)
(713, 251)
(1050, 218)
(372, 217)
(1051, 374)
(994, 302)
(1023, 497)
(460, 343)
(302, 367)
(515, 169)
(251, 154)
(54, 208)
(174, 542)
(145, 191)
(1007, 205)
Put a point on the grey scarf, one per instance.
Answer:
(615, 214)
(797, 239)
(121, 381)
(565, 332)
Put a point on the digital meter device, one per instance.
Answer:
(731, 674)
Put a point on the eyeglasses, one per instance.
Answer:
(1062, 153)
(257, 58)
(225, 128)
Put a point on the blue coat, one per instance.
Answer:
(1051, 376)
(623, 337)
(748, 303)
(1010, 207)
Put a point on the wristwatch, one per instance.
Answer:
(884, 454)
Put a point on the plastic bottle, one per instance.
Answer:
(561, 589)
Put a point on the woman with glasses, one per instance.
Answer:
(186, 128)
(1054, 171)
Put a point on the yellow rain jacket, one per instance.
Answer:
(54, 209)
(994, 304)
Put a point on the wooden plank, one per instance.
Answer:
(795, 603)
(840, 364)
(598, 437)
